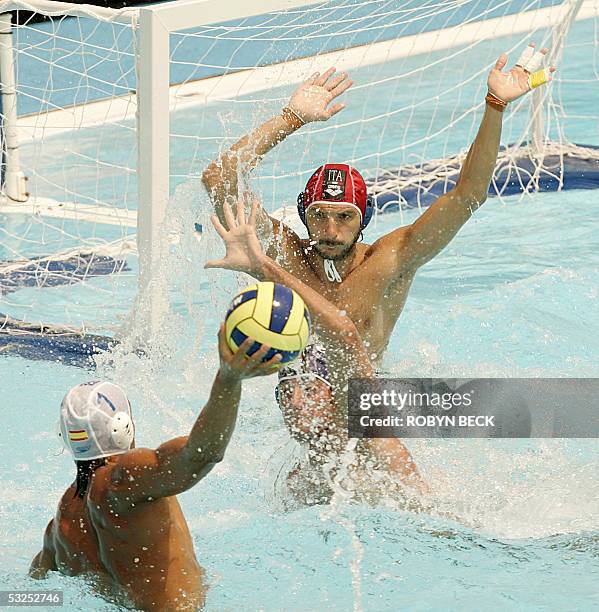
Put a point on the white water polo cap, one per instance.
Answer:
(95, 421)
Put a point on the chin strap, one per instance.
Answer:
(331, 271)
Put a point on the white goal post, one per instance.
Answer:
(136, 93)
(155, 25)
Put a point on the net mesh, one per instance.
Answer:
(68, 253)
(420, 78)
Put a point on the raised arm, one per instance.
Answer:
(311, 101)
(436, 227)
(245, 254)
(144, 474)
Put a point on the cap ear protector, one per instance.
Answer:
(58, 433)
(122, 431)
(368, 212)
(121, 427)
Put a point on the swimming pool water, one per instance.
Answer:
(513, 295)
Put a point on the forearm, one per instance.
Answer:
(397, 460)
(180, 463)
(477, 170)
(213, 428)
(438, 225)
(221, 177)
(332, 324)
(346, 354)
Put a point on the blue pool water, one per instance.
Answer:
(514, 295)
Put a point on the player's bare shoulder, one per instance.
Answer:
(113, 483)
(393, 249)
(389, 257)
(394, 241)
(282, 244)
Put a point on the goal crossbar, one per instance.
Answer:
(243, 82)
(57, 9)
(156, 22)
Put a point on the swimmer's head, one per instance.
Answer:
(335, 208)
(95, 421)
(301, 396)
(304, 380)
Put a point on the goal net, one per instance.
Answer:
(113, 115)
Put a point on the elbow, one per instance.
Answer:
(214, 457)
(202, 459)
(37, 571)
(472, 196)
(225, 165)
(344, 328)
(349, 332)
(479, 198)
(336, 327)
(203, 466)
(209, 177)
(220, 177)
(216, 171)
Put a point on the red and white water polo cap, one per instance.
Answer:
(336, 184)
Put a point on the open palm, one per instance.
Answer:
(509, 86)
(244, 251)
(311, 100)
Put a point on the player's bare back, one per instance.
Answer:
(143, 557)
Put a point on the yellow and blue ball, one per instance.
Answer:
(271, 314)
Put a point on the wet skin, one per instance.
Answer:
(142, 556)
(127, 533)
(375, 285)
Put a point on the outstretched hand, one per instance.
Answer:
(244, 251)
(239, 365)
(311, 100)
(509, 86)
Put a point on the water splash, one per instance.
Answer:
(341, 482)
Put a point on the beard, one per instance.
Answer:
(342, 255)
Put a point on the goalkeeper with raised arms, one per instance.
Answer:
(335, 206)
(313, 399)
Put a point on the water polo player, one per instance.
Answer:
(335, 206)
(312, 393)
(120, 523)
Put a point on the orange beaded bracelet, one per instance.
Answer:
(495, 102)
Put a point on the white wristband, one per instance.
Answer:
(535, 62)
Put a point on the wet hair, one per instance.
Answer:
(85, 470)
